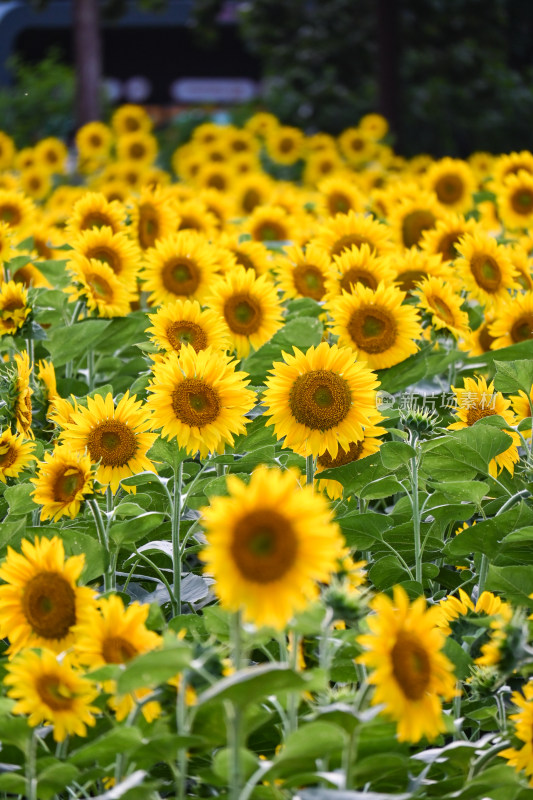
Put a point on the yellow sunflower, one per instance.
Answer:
(116, 250)
(453, 182)
(444, 237)
(478, 341)
(321, 400)
(63, 480)
(7, 150)
(180, 266)
(14, 308)
(220, 205)
(23, 391)
(367, 446)
(414, 215)
(153, 217)
(24, 158)
(184, 322)
(52, 154)
(192, 215)
(284, 144)
(252, 190)
(521, 404)
(374, 124)
(200, 400)
(60, 411)
(6, 241)
(303, 273)
(219, 176)
(16, 209)
(322, 164)
(36, 182)
(477, 400)
(513, 321)
(436, 297)
(112, 634)
(511, 164)
(46, 375)
(97, 284)
(94, 210)
(515, 200)
(248, 254)
(357, 146)
(52, 692)
(269, 223)
(139, 147)
(482, 164)
(249, 306)
(130, 118)
(411, 674)
(337, 195)
(523, 730)
(40, 599)
(521, 261)
(346, 231)
(207, 133)
(376, 325)
(261, 123)
(358, 265)
(93, 141)
(117, 438)
(268, 544)
(485, 268)
(15, 454)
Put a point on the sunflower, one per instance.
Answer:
(52, 692)
(184, 322)
(40, 600)
(132, 173)
(221, 206)
(284, 144)
(93, 141)
(249, 306)
(367, 446)
(97, 284)
(250, 255)
(436, 297)
(413, 215)
(180, 266)
(444, 237)
(321, 400)
(376, 325)
(478, 341)
(22, 407)
(93, 210)
(338, 196)
(521, 404)
(478, 400)
(153, 217)
(139, 147)
(215, 176)
(7, 151)
(511, 164)
(358, 265)
(36, 182)
(252, 190)
(269, 223)
(116, 250)
(62, 482)
(207, 133)
(192, 215)
(303, 273)
(130, 118)
(374, 124)
(521, 261)
(357, 146)
(485, 268)
(268, 544)
(523, 730)
(16, 209)
(453, 182)
(482, 164)
(200, 400)
(115, 189)
(409, 670)
(15, 454)
(46, 240)
(513, 321)
(6, 241)
(24, 158)
(261, 123)
(322, 164)
(46, 375)
(117, 438)
(14, 308)
(515, 200)
(112, 634)
(349, 230)
(52, 154)
(60, 411)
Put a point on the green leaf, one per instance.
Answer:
(488, 536)
(362, 530)
(68, 342)
(252, 683)
(152, 669)
(55, 778)
(358, 475)
(106, 747)
(54, 270)
(19, 499)
(13, 783)
(314, 740)
(516, 352)
(384, 487)
(223, 763)
(394, 454)
(132, 530)
(463, 491)
(515, 583)
(256, 436)
(511, 376)
(460, 455)
(167, 451)
(386, 572)
(301, 332)
(461, 660)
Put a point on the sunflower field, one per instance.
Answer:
(265, 467)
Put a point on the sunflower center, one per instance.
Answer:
(309, 281)
(372, 329)
(486, 272)
(522, 329)
(354, 275)
(320, 399)
(414, 224)
(107, 255)
(137, 151)
(148, 225)
(449, 189)
(10, 214)
(185, 332)
(7, 457)
(95, 219)
(181, 276)
(522, 201)
(244, 260)
(100, 287)
(243, 314)
(53, 693)
(270, 231)
(264, 546)
(95, 140)
(117, 650)
(68, 484)
(524, 280)
(446, 246)
(195, 403)
(442, 309)
(351, 240)
(49, 605)
(338, 203)
(343, 456)
(476, 413)
(131, 124)
(250, 200)
(286, 145)
(112, 442)
(484, 338)
(410, 666)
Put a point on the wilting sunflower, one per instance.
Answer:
(453, 182)
(130, 118)
(97, 284)
(52, 154)
(268, 544)
(249, 307)
(180, 266)
(15, 454)
(284, 144)
(52, 692)
(436, 297)
(16, 209)
(377, 326)
(184, 322)
(200, 400)
(357, 146)
(346, 231)
(409, 670)
(116, 250)
(40, 600)
(523, 730)
(14, 308)
(367, 446)
(94, 210)
(117, 438)
(321, 400)
(63, 480)
(513, 321)
(93, 141)
(338, 196)
(485, 268)
(477, 400)
(139, 147)
(515, 200)
(303, 273)
(112, 634)
(153, 217)
(444, 237)
(358, 265)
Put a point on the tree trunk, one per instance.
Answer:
(389, 61)
(88, 59)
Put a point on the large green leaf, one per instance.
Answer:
(460, 455)
(250, 684)
(488, 536)
(106, 747)
(152, 669)
(66, 343)
(511, 376)
(515, 583)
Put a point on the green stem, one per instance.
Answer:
(416, 519)
(175, 529)
(181, 726)
(483, 571)
(103, 538)
(292, 700)
(309, 470)
(521, 495)
(90, 369)
(31, 777)
(30, 349)
(350, 753)
(234, 713)
(163, 580)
